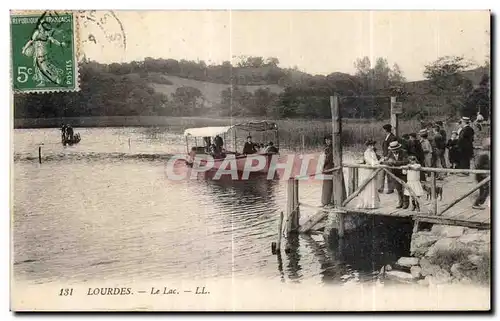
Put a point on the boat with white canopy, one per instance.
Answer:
(213, 144)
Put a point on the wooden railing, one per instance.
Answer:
(354, 189)
(353, 168)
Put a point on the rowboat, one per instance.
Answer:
(206, 153)
(68, 141)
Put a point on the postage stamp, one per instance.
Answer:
(44, 52)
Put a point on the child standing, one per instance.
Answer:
(413, 181)
(453, 153)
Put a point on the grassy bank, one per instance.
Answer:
(293, 133)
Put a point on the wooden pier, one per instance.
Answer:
(454, 207)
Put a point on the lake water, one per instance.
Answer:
(104, 209)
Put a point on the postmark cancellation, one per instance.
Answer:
(44, 51)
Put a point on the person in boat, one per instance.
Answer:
(249, 147)
(69, 132)
(208, 144)
(218, 143)
(271, 149)
(63, 132)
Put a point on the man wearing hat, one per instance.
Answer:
(389, 137)
(426, 147)
(465, 144)
(441, 129)
(398, 157)
(483, 162)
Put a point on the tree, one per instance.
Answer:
(187, 100)
(446, 81)
(272, 61)
(479, 100)
(396, 75)
(363, 67)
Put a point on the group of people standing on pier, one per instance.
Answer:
(409, 153)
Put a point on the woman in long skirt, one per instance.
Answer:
(369, 197)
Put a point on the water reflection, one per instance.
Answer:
(293, 267)
(331, 268)
(256, 189)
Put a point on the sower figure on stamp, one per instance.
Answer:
(483, 162)
(389, 137)
(37, 47)
(328, 165)
(398, 157)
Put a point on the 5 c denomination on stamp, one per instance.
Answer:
(44, 52)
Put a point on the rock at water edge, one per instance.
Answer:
(399, 275)
(416, 271)
(421, 242)
(427, 267)
(448, 231)
(442, 246)
(407, 261)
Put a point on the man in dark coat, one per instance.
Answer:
(441, 130)
(218, 143)
(326, 194)
(389, 137)
(483, 162)
(249, 147)
(439, 147)
(466, 144)
(398, 157)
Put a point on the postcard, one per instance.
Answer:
(232, 160)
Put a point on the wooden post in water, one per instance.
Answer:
(339, 193)
(280, 232)
(296, 215)
(433, 194)
(353, 180)
(292, 202)
(303, 143)
(40, 154)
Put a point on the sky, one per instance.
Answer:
(317, 42)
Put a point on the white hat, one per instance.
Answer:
(466, 119)
(422, 131)
(394, 145)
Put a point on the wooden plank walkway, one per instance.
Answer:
(461, 214)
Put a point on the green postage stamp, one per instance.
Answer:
(44, 52)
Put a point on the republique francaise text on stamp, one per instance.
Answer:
(44, 52)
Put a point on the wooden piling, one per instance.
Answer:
(303, 143)
(40, 154)
(353, 180)
(296, 209)
(280, 233)
(292, 201)
(433, 194)
(339, 193)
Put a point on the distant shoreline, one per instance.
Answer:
(114, 121)
(149, 121)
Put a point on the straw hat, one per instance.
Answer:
(394, 145)
(422, 131)
(466, 119)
